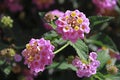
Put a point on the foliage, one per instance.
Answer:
(97, 27)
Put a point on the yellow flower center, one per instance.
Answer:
(76, 28)
(79, 20)
(73, 21)
(66, 17)
(73, 14)
(66, 28)
(30, 58)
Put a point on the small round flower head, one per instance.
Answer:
(72, 25)
(86, 69)
(38, 54)
(14, 5)
(7, 21)
(57, 13)
(52, 15)
(17, 57)
(7, 52)
(42, 4)
(112, 69)
(106, 4)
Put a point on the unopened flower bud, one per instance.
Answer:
(112, 69)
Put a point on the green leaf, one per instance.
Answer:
(54, 38)
(42, 14)
(7, 70)
(95, 20)
(2, 62)
(102, 40)
(103, 57)
(112, 77)
(53, 25)
(62, 66)
(50, 35)
(81, 49)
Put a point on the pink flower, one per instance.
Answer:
(28, 75)
(38, 54)
(72, 25)
(86, 69)
(57, 13)
(17, 58)
(29, 78)
(105, 4)
(51, 16)
(47, 26)
(93, 56)
(13, 5)
(41, 4)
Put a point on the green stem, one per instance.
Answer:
(53, 25)
(61, 48)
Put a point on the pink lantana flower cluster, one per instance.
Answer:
(42, 4)
(51, 16)
(14, 5)
(86, 70)
(72, 25)
(105, 4)
(57, 13)
(38, 54)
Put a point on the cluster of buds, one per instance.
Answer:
(72, 25)
(7, 21)
(112, 69)
(86, 69)
(38, 54)
(8, 53)
(52, 15)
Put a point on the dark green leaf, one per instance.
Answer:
(42, 14)
(95, 20)
(102, 40)
(81, 49)
(7, 70)
(62, 66)
(54, 38)
(50, 35)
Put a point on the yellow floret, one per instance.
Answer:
(30, 58)
(76, 28)
(67, 17)
(79, 20)
(66, 28)
(27, 46)
(73, 14)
